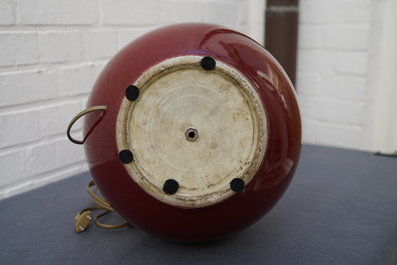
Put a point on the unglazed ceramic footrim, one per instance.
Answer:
(224, 108)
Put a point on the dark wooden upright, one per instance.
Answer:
(281, 33)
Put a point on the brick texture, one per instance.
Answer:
(57, 12)
(334, 53)
(27, 87)
(67, 43)
(100, 44)
(18, 48)
(7, 12)
(131, 12)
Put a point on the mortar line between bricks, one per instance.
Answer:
(39, 142)
(328, 99)
(329, 123)
(72, 28)
(42, 104)
(50, 67)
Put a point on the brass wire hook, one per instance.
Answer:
(78, 116)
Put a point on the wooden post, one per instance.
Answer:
(281, 33)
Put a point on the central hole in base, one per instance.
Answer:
(192, 134)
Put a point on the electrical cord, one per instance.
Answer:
(85, 215)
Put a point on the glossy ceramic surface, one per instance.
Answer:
(271, 179)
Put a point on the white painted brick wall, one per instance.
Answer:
(57, 12)
(131, 12)
(7, 12)
(192, 11)
(99, 44)
(336, 12)
(52, 52)
(19, 48)
(333, 79)
(67, 43)
(27, 86)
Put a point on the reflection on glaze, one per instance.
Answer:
(279, 162)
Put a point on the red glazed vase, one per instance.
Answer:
(201, 134)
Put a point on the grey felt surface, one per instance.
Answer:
(341, 208)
